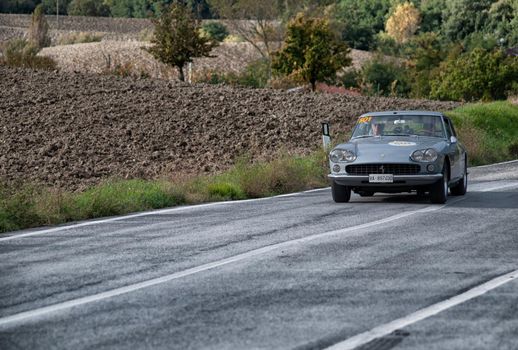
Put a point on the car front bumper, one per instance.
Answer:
(399, 180)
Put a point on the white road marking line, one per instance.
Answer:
(489, 165)
(10, 320)
(387, 328)
(498, 187)
(147, 213)
(16, 318)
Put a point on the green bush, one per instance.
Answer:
(385, 78)
(476, 75)
(17, 208)
(119, 197)
(351, 78)
(488, 130)
(215, 30)
(255, 75)
(88, 8)
(19, 53)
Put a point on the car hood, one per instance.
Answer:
(390, 148)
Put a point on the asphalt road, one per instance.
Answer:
(290, 272)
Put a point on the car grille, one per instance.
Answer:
(396, 169)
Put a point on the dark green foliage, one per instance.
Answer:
(177, 38)
(432, 15)
(463, 17)
(130, 8)
(17, 6)
(503, 22)
(88, 8)
(425, 52)
(476, 75)
(255, 75)
(311, 51)
(385, 78)
(351, 79)
(50, 6)
(362, 20)
(216, 30)
(19, 53)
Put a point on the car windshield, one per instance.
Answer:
(399, 125)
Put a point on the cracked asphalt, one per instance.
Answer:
(312, 291)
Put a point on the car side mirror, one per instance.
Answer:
(453, 140)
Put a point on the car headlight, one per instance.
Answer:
(425, 155)
(342, 155)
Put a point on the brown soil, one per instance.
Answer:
(73, 130)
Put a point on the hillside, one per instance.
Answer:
(73, 130)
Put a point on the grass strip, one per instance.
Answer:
(488, 130)
(31, 206)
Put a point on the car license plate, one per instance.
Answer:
(381, 178)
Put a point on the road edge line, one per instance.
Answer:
(146, 213)
(15, 318)
(400, 323)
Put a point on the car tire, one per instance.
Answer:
(439, 190)
(462, 186)
(341, 193)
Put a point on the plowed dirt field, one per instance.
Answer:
(74, 130)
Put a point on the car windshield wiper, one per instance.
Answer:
(364, 136)
(399, 135)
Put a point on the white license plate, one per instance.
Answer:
(381, 178)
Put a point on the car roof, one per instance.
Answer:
(427, 113)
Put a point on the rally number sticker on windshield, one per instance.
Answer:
(402, 143)
(364, 120)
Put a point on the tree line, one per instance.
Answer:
(441, 49)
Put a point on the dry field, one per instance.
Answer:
(121, 47)
(73, 130)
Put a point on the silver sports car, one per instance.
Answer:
(400, 151)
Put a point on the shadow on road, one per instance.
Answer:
(497, 200)
(489, 200)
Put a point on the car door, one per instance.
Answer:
(454, 152)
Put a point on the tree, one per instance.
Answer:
(38, 30)
(88, 8)
(503, 21)
(50, 6)
(255, 21)
(177, 38)
(382, 76)
(17, 6)
(362, 20)
(463, 17)
(476, 75)
(431, 15)
(403, 23)
(215, 30)
(311, 51)
(425, 53)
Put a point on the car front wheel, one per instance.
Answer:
(439, 190)
(462, 186)
(341, 193)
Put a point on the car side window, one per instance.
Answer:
(448, 128)
(452, 128)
